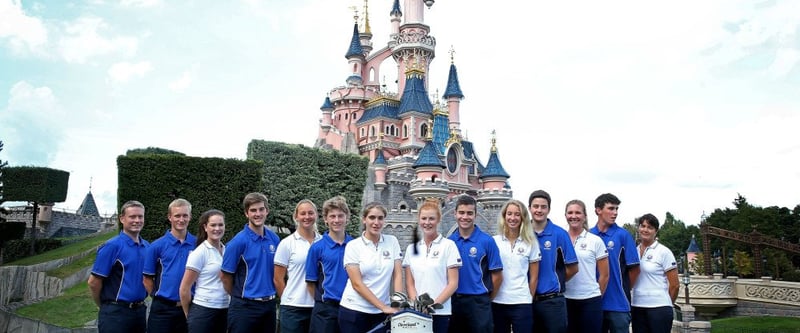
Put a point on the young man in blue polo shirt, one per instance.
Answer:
(326, 276)
(163, 270)
(480, 275)
(116, 279)
(623, 264)
(247, 271)
(559, 264)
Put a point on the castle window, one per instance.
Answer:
(372, 131)
(345, 115)
(362, 131)
(423, 130)
(355, 115)
(405, 131)
(402, 205)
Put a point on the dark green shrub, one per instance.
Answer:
(20, 248)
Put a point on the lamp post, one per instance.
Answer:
(686, 281)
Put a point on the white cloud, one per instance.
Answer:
(25, 34)
(33, 120)
(83, 40)
(140, 3)
(124, 71)
(181, 83)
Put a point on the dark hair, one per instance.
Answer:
(606, 198)
(201, 228)
(539, 194)
(650, 219)
(466, 200)
(129, 204)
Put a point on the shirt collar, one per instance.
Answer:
(129, 240)
(367, 241)
(297, 236)
(208, 245)
(436, 240)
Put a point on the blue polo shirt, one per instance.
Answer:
(621, 256)
(557, 253)
(325, 267)
(119, 262)
(480, 256)
(166, 262)
(250, 258)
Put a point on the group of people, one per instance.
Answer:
(533, 276)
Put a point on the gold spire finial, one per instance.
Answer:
(355, 13)
(494, 141)
(367, 30)
(452, 53)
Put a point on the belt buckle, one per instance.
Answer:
(134, 305)
(264, 299)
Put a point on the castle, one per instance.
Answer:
(415, 146)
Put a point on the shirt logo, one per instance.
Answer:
(473, 251)
(673, 264)
(520, 250)
(547, 245)
(385, 254)
(272, 248)
(649, 256)
(583, 246)
(610, 245)
(436, 253)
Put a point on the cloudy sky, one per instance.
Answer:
(674, 106)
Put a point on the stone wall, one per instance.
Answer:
(24, 283)
(73, 224)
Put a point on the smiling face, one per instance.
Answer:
(336, 220)
(513, 218)
(306, 216)
(132, 220)
(373, 222)
(647, 233)
(465, 216)
(429, 222)
(257, 214)
(179, 217)
(576, 217)
(215, 228)
(539, 210)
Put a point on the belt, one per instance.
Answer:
(166, 301)
(259, 299)
(129, 305)
(331, 301)
(544, 297)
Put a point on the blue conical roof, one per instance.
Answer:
(88, 207)
(327, 105)
(493, 167)
(415, 98)
(428, 157)
(453, 88)
(396, 9)
(441, 131)
(379, 159)
(355, 45)
(693, 248)
(384, 108)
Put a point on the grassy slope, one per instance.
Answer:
(64, 251)
(755, 324)
(73, 309)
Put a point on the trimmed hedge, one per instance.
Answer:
(36, 184)
(294, 172)
(157, 179)
(20, 248)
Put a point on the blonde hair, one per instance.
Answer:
(583, 207)
(297, 208)
(525, 228)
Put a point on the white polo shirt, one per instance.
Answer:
(291, 253)
(376, 264)
(583, 285)
(429, 267)
(652, 288)
(516, 258)
(206, 261)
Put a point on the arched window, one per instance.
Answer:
(345, 116)
(355, 115)
(362, 131)
(405, 131)
(372, 131)
(423, 130)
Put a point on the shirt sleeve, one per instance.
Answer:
(283, 252)
(570, 257)
(197, 259)
(493, 254)
(106, 255)
(398, 255)
(536, 254)
(668, 260)
(409, 252)
(311, 262)
(350, 253)
(631, 254)
(231, 257)
(150, 259)
(453, 258)
(600, 250)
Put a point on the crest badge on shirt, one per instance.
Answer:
(649, 257)
(547, 245)
(272, 248)
(521, 250)
(385, 254)
(610, 245)
(435, 253)
(583, 246)
(473, 251)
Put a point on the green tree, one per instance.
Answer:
(675, 235)
(743, 263)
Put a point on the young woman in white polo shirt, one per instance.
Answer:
(290, 257)
(373, 267)
(432, 264)
(657, 286)
(584, 290)
(207, 312)
(519, 251)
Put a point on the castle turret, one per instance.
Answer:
(379, 165)
(396, 16)
(494, 191)
(453, 96)
(428, 170)
(366, 36)
(355, 57)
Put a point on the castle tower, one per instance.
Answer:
(415, 147)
